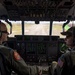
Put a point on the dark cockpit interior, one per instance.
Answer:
(37, 49)
(38, 10)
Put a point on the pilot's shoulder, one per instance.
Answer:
(5, 49)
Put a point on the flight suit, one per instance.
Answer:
(66, 63)
(14, 62)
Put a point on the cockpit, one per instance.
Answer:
(35, 27)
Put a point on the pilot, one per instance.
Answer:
(13, 61)
(66, 62)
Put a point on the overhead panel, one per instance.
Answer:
(43, 10)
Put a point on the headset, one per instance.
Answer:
(5, 31)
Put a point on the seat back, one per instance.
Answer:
(2, 67)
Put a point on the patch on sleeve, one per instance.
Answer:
(16, 56)
(60, 63)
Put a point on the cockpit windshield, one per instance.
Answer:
(42, 28)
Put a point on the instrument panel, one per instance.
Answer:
(39, 50)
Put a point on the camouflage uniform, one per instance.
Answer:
(16, 63)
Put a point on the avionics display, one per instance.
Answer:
(41, 47)
(53, 50)
(30, 47)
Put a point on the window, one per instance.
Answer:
(30, 28)
(37, 29)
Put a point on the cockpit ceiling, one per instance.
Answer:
(37, 10)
